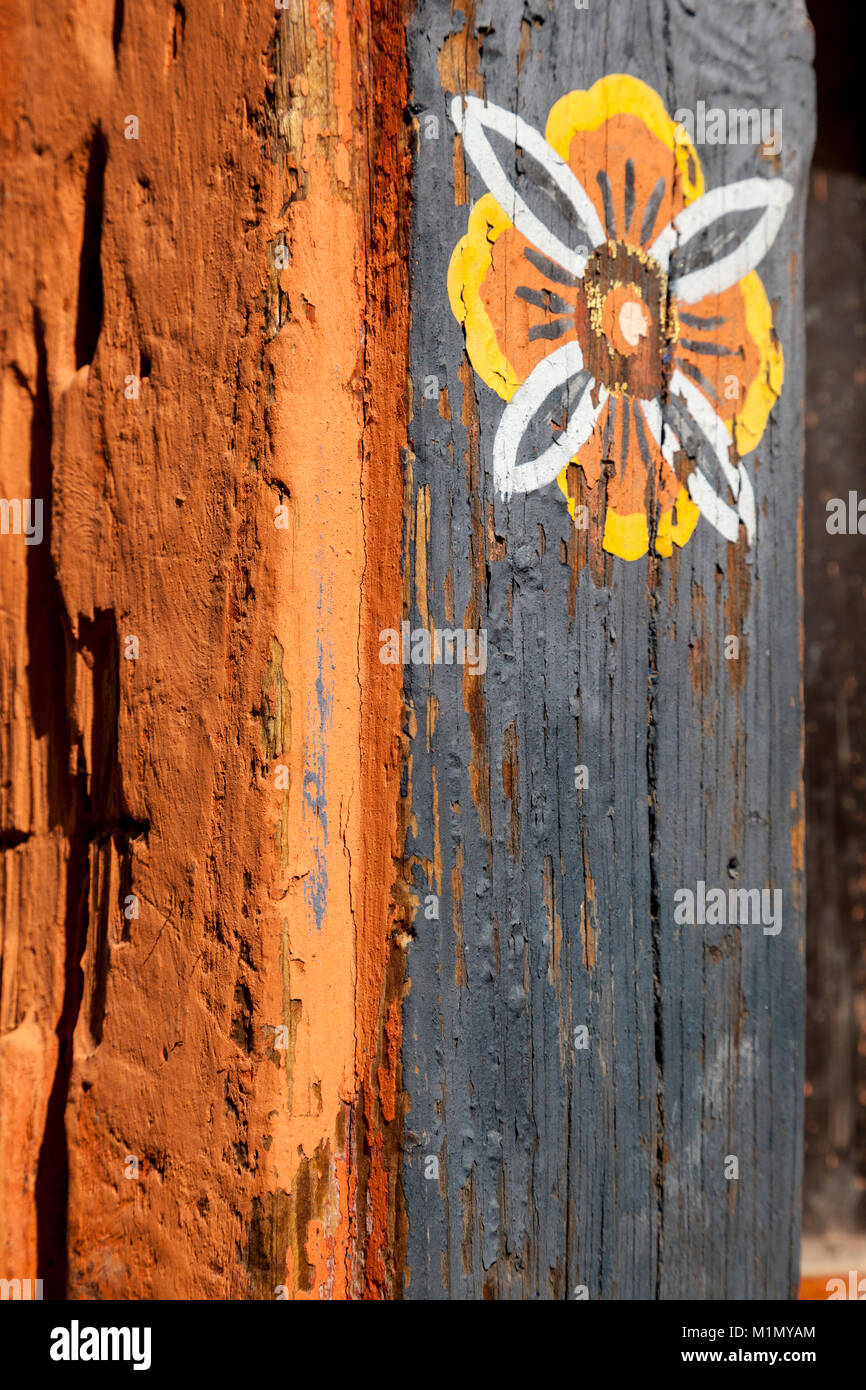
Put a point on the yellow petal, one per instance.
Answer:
(766, 386)
(621, 95)
(470, 263)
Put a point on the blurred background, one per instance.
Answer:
(834, 1225)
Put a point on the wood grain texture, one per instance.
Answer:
(244, 259)
(374, 914)
(602, 1168)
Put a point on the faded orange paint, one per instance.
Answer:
(511, 785)
(340, 586)
(240, 1037)
(554, 928)
(736, 608)
(459, 58)
(317, 429)
(588, 925)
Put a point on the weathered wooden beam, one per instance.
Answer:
(205, 299)
(415, 623)
(611, 1098)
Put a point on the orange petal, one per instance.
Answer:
(606, 151)
(643, 477)
(715, 349)
(728, 348)
(622, 122)
(634, 490)
(530, 312)
(513, 312)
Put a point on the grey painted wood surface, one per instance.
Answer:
(600, 1171)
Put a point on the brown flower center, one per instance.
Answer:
(625, 325)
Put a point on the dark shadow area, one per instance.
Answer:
(50, 676)
(88, 324)
(117, 28)
(835, 648)
(92, 818)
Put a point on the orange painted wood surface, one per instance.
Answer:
(199, 1017)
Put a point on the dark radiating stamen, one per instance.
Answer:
(603, 182)
(642, 441)
(710, 349)
(544, 299)
(651, 212)
(554, 329)
(549, 268)
(629, 195)
(626, 414)
(698, 320)
(697, 375)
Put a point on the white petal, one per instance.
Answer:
(661, 432)
(720, 514)
(710, 505)
(471, 124)
(771, 195)
(710, 424)
(746, 503)
(553, 371)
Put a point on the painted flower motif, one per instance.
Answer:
(614, 305)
